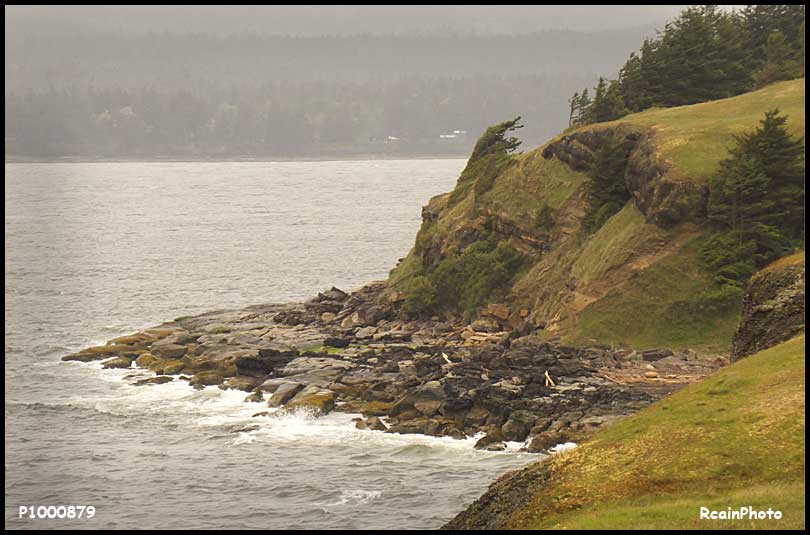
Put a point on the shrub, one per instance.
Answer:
(465, 282)
(544, 218)
(420, 296)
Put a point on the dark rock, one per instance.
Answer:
(314, 399)
(332, 294)
(117, 362)
(206, 378)
(284, 393)
(159, 380)
(372, 423)
(493, 437)
(773, 307)
(652, 355)
(517, 427)
(245, 384)
(255, 397)
(545, 441)
(426, 400)
(169, 351)
(337, 341)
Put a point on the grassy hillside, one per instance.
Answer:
(695, 138)
(630, 283)
(735, 439)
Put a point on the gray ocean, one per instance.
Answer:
(98, 250)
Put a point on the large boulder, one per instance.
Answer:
(492, 441)
(117, 362)
(145, 359)
(425, 401)
(159, 380)
(168, 351)
(773, 307)
(167, 366)
(263, 361)
(518, 425)
(314, 399)
(207, 378)
(284, 393)
(321, 371)
(103, 352)
(246, 384)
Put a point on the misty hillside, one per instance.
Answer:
(92, 82)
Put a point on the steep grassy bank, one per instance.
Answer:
(735, 439)
(637, 280)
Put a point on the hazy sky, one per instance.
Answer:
(316, 20)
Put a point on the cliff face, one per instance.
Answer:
(773, 307)
(663, 200)
(637, 280)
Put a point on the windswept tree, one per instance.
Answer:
(496, 140)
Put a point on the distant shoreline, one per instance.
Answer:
(268, 159)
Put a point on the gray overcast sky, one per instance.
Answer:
(317, 20)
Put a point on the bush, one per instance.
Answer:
(716, 300)
(544, 218)
(467, 281)
(607, 191)
(420, 296)
(729, 259)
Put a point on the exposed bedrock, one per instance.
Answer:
(352, 353)
(773, 307)
(660, 194)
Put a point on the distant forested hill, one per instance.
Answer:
(75, 91)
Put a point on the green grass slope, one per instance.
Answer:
(735, 439)
(631, 283)
(695, 138)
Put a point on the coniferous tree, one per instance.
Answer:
(706, 53)
(583, 107)
(607, 191)
(780, 61)
(573, 108)
(496, 141)
(756, 201)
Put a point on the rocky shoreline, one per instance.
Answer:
(357, 353)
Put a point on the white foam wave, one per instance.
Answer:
(353, 497)
(560, 448)
(221, 411)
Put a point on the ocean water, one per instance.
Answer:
(97, 250)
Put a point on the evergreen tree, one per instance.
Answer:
(607, 191)
(495, 140)
(704, 54)
(607, 103)
(756, 201)
(573, 108)
(780, 62)
(583, 107)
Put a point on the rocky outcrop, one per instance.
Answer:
(773, 307)
(577, 149)
(663, 198)
(494, 376)
(511, 492)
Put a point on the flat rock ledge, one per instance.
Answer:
(359, 354)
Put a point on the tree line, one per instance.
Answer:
(706, 53)
(756, 203)
(103, 93)
(405, 115)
